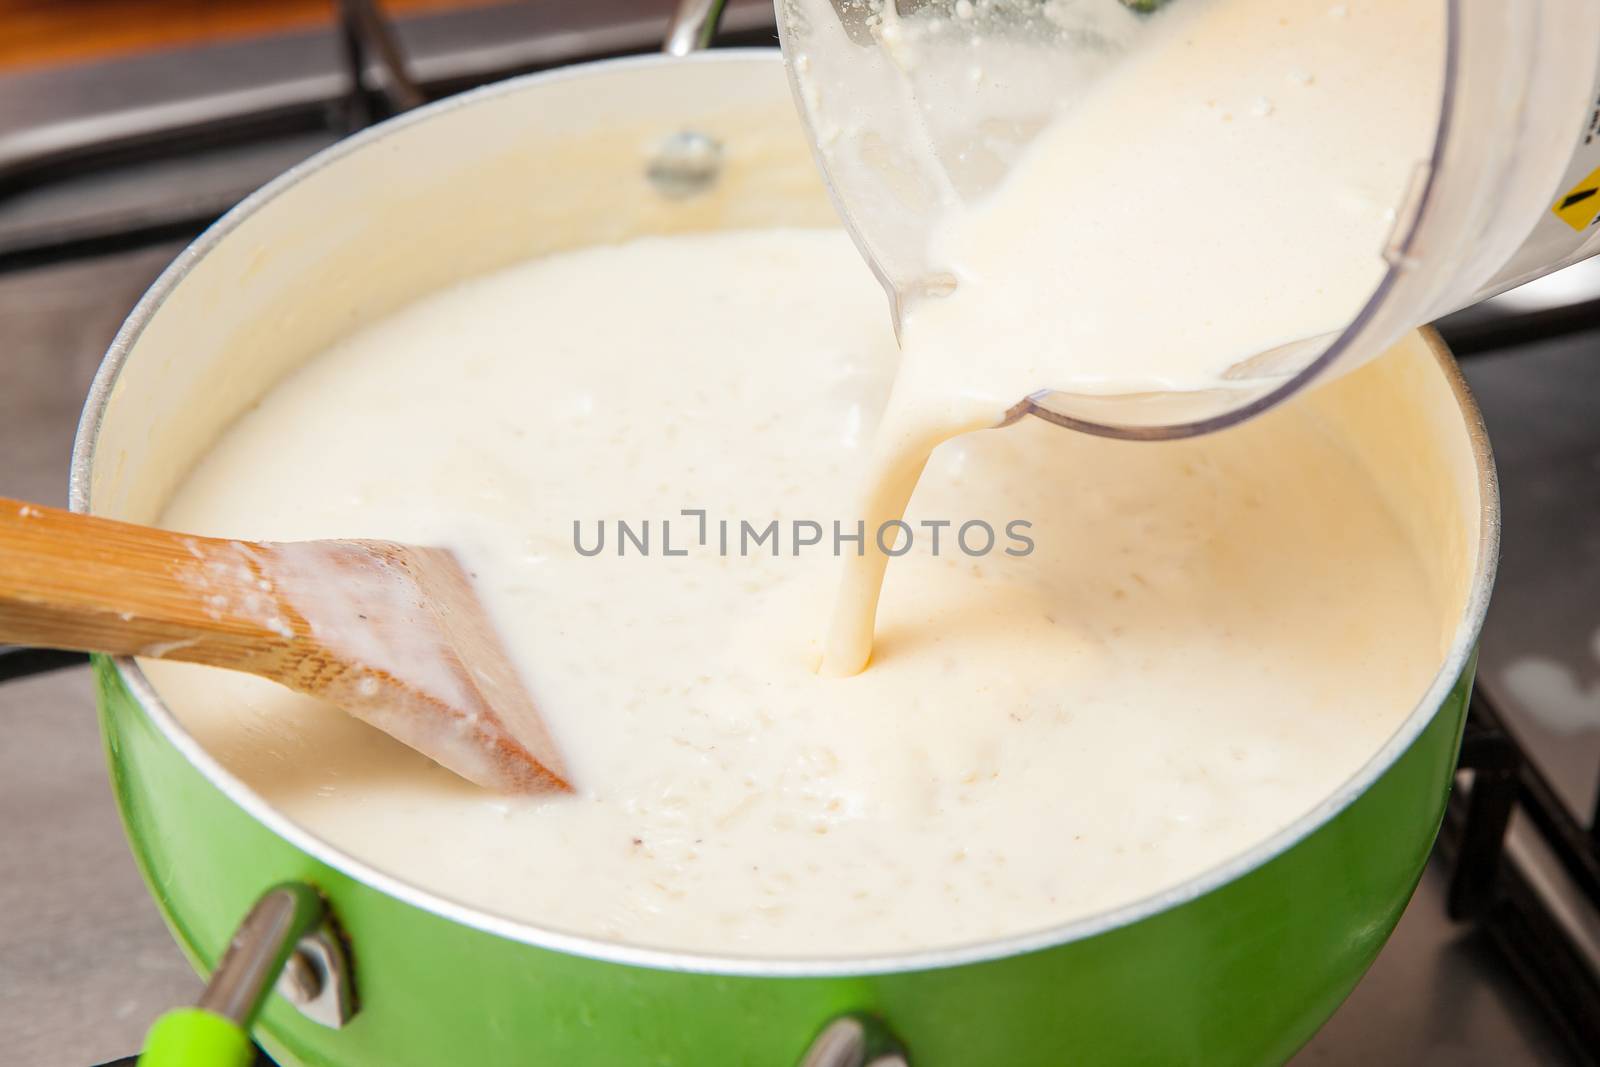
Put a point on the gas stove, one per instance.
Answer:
(107, 168)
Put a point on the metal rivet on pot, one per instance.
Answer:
(316, 979)
(685, 164)
(300, 983)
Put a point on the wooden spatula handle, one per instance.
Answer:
(95, 585)
(395, 634)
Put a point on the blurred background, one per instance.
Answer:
(43, 32)
(127, 126)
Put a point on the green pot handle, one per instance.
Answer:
(194, 1037)
(289, 926)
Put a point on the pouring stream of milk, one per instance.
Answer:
(1225, 190)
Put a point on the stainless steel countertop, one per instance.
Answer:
(85, 960)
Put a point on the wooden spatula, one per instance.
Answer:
(391, 633)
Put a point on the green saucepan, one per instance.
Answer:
(1239, 965)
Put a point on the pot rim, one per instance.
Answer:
(1213, 878)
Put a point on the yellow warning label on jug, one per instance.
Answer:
(1581, 205)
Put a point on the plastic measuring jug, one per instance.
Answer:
(1509, 192)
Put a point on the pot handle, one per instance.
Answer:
(287, 939)
(856, 1040)
(368, 39)
(693, 26)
